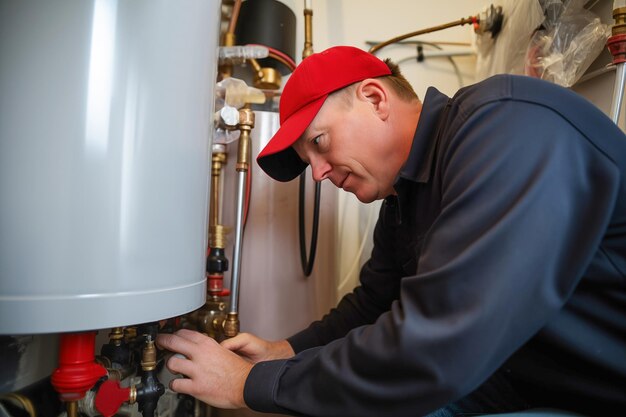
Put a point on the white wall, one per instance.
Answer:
(353, 22)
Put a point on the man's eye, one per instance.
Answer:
(316, 140)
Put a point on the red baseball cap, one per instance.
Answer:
(304, 94)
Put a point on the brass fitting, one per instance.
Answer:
(246, 118)
(217, 236)
(265, 78)
(246, 123)
(132, 399)
(619, 15)
(231, 325)
(243, 160)
(308, 33)
(116, 336)
(72, 408)
(148, 356)
(229, 39)
(211, 317)
(218, 160)
(270, 79)
(130, 334)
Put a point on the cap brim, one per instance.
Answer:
(278, 159)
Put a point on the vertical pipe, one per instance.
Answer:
(72, 409)
(308, 32)
(234, 282)
(215, 197)
(246, 124)
(618, 92)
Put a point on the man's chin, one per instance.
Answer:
(364, 197)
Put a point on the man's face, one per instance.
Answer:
(348, 144)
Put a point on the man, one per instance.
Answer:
(497, 281)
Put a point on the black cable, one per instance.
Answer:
(307, 265)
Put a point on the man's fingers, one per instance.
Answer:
(176, 343)
(192, 336)
(178, 364)
(183, 386)
(237, 342)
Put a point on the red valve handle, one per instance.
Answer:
(110, 397)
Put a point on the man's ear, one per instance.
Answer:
(374, 92)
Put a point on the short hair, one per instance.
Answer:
(396, 81)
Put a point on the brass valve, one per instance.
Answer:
(149, 356)
(231, 325)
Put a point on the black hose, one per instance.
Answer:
(307, 264)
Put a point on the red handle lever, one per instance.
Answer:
(110, 397)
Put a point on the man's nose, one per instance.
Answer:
(320, 169)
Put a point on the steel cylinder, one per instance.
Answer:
(104, 161)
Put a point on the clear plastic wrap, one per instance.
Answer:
(570, 38)
(507, 51)
(238, 54)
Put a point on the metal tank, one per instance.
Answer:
(104, 160)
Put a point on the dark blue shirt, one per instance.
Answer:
(503, 251)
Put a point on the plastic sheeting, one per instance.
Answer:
(555, 40)
(506, 52)
(567, 43)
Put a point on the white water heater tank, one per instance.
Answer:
(104, 160)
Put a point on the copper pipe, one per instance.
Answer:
(308, 33)
(226, 70)
(234, 16)
(257, 68)
(218, 160)
(459, 22)
(282, 61)
(22, 401)
(72, 408)
(215, 195)
(416, 42)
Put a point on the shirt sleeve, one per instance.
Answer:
(525, 200)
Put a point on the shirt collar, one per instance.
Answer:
(417, 168)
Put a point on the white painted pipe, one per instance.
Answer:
(618, 92)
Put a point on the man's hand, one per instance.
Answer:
(214, 374)
(255, 349)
